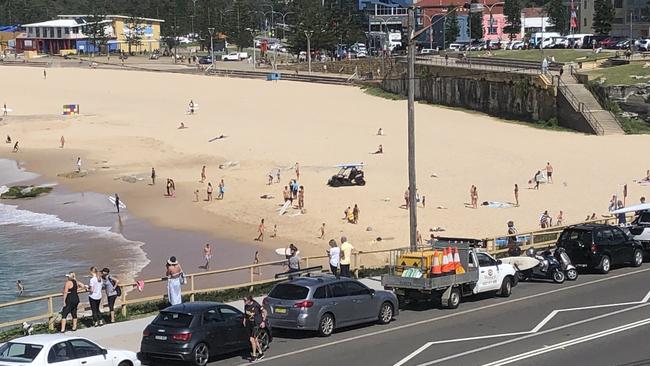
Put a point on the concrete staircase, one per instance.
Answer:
(583, 101)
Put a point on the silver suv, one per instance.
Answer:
(324, 303)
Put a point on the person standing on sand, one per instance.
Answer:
(203, 174)
(418, 237)
(62, 140)
(70, 300)
(256, 260)
(191, 106)
(16, 147)
(222, 190)
(559, 219)
(4, 110)
(516, 195)
(44, 74)
(153, 176)
(173, 187)
(549, 172)
(168, 187)
(79, 165)
(207, 255)
(297, 168)
(301, 198)
(275, 231)
(260, 230)
(355, 214)
(117, 203)
(174, 272)
(196, 196)
(322, 232)
(209, 192)
(334, 254)
(277, 175)
(286, 194)
(406, 198)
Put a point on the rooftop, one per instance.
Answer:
(57, 23)
(67, 16)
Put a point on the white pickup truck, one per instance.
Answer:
(483, 274)
(235, 56)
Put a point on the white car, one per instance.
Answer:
(235, 56)
(61, 350)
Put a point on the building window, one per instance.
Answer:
(67, 30)
(51, 32)
(584, 22)
(585, 5)
(401, 11)
(75, 30)
(38, 31)
(493, 30)
(618, 4)
(58, 32)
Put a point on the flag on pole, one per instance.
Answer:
(574, 17)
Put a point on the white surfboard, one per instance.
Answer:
(282, 252)
(351, 164)
(6, 109)
(522, 263)
(641, 207)
(284, 208)
(111, 199)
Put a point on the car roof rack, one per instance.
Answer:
(307, 272)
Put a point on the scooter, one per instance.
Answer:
(548, 268)
(565, 262)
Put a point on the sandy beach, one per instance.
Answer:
(129, 124)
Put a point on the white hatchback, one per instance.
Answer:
(47, 349)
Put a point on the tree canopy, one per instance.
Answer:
(512, 10)
(603, 16)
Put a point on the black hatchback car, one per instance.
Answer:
(194, 333)
(598, 246)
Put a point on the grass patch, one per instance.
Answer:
(620, 75)
(17, 192)
(559, 54)
(634, 126)
(379, 92)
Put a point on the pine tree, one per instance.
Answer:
(558, 15)
(452, 30)
(476, 30)
(603, 16)
(512, 11)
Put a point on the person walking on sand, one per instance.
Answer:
(70, 300)
(207, 255)
(79, 165)
(62, 141)
(117, 203)
(174, 272)
(110, 285)
(222, 190)
(301, 197)
(191, 106)
(346, 257)
(260, 231)
(297, 168)
(196, 195)
(168, 186)
(549, 172)
(209, 192)
(20, 288)
(95, 296)
(334, 254)
(203, 174)
(516, 195)
(559, 219)
(16, 147)
(287, 194)
(355, 214)
(4, 110)
(256, 260)
(153, 176)
(322, 232)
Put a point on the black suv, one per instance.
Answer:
(194, 332)
(598, 246)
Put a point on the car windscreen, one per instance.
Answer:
(285, 291)
(173, 320)
(19, 352)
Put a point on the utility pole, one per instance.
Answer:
(253, 36)
(175, 30)
(308, 34)
(413, 217)
(211, 31)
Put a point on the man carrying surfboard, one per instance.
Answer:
(117, 202)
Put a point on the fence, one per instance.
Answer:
(533, 239)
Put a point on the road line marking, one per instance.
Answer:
(413, 354)
(442, 317)
(548, 318)
(433, 362)
(573, 342)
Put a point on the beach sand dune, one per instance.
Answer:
(130, 121)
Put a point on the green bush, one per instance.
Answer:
(15, 192)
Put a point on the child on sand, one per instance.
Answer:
(62, 140)
(222, 190)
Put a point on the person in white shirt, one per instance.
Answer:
(346, 256)
(95, 296)
(334, 254)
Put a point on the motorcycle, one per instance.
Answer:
(548, 268)
(565, 262)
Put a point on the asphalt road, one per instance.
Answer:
(599, 320)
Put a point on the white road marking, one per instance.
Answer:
(426, 321)
(531, 335)
(569, 343)
(539, 326)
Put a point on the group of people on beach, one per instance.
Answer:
(98, 281)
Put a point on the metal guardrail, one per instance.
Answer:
(579, 107)
(537, 239)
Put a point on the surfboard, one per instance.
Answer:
(351, 164)
(641, 207)
(281, 252)
(111, 199)
(522, 263)
(6, 110)
(284, 208)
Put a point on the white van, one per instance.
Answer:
(577, 39)
(455, 47)
(545, 38)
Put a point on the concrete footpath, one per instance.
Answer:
(127, 335)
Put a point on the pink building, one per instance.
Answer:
(493, 30)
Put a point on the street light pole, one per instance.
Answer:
(175, 30)
(413, 217)
(211, 30)
(253, 36)
(308, 34)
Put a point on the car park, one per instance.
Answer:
(61, 350)
(599, 247)
(325, 303)
(194, 332)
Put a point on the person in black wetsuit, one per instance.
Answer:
(70, 301)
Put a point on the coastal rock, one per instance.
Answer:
(72, 175)
(17, 192)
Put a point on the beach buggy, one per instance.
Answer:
(348, 175)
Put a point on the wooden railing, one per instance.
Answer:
(538, 239)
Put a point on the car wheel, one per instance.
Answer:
(326, 325)
(201, 355)
(361, 182)
(385, 313)
(638, 258)
(454, 299)
(506, 287)
(264, 340)
(572, 274)
(605, 265)
(558, 276)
